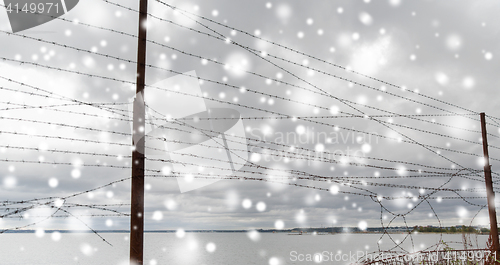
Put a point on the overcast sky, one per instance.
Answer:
(438, 51)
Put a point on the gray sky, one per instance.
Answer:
(439, 50)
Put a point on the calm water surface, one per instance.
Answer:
(203, 248)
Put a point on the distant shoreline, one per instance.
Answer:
(334, 230)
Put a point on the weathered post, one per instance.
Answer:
(138, 155)
(489, 189)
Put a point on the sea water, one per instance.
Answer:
(212, 248)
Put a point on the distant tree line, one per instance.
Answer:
(452, 229)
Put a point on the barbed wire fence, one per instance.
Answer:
(20, 142)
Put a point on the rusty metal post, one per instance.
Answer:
(489, 189)
(138, 157)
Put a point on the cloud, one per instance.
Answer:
(369, 58)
